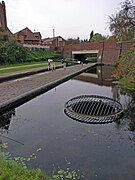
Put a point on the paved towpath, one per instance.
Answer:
(11, 89)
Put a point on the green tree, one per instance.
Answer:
(122, 24)
(12, 52)
(98, 37)
(16, 52)
(73, 40)
(91, 35)
(3, 54)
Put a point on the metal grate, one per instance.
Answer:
(93, 109)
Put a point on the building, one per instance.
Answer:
(3, 19)
(54, 43)
(4, 30)
(38, 36)
(26, 36)
(29, 39)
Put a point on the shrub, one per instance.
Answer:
(13, 52)
(125, 69)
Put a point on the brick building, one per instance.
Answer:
(3, 19)
(54, 43)
(26, 36)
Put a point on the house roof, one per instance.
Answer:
(37, 33)
(52, 39)
(48, 39)
(27, 33)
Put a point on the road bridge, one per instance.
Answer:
(105, 51)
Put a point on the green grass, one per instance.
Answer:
(40, 54)
(21, 68)
(11, 171)
(16, 169)
(17, 67)
(21, 64)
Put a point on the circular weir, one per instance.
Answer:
(93, 109)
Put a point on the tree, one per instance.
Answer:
(122, 24)
(12, 52)
(91, 35)
(73, 40)
(98, 37)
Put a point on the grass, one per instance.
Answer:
(39, 54)
(23, 66)
(11, 170)
(15, 168)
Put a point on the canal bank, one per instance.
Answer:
(20, 74)
(19, 91)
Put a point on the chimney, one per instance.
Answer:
(53, 33)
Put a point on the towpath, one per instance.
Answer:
(11, 90)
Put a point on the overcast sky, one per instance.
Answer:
(69, 18)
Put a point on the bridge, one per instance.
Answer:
(100, 52)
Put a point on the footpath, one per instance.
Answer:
(20, 90)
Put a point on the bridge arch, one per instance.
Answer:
(85, 55)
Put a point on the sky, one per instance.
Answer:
(69, 18)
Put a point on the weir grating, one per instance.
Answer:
(93, 109)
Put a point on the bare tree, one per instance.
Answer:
(122, 24)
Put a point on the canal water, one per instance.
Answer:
(95, 151)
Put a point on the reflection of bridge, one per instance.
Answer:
(101, 75)
(93, 79)
(106, 51)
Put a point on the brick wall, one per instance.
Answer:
(108, 51)
(110, 55)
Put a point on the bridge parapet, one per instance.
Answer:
(108, 51)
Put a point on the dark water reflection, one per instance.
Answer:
(5, 119)
(101, 152)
